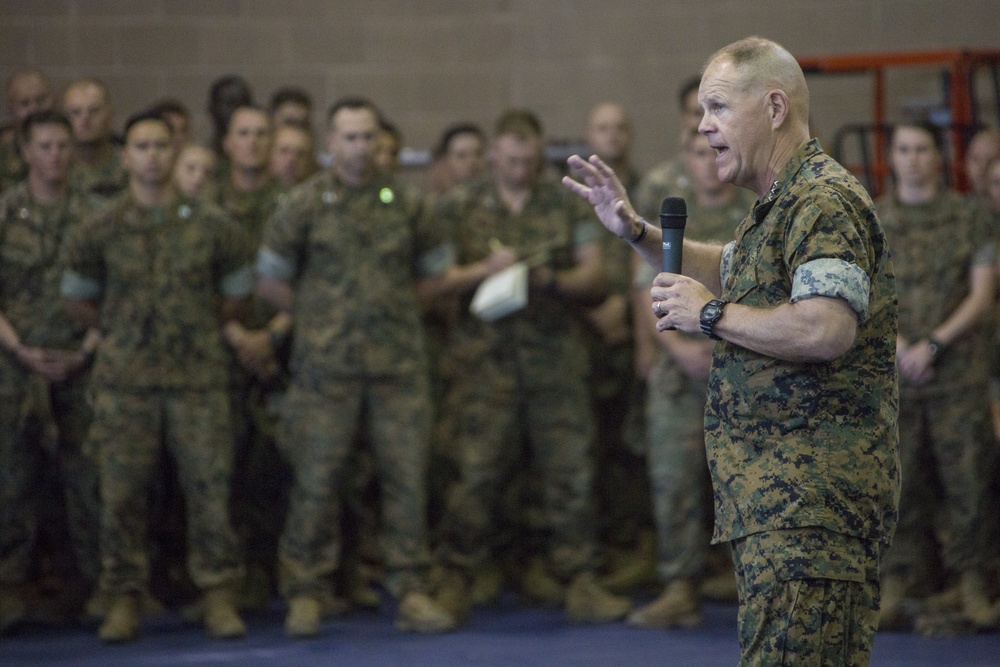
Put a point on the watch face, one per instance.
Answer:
(711, 311)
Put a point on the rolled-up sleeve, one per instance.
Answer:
(77, 286)
(273, 265)
(237, 284)
(833, 278)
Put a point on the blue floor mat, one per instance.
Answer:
(509, 634)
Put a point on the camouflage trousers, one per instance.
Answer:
(947, 457)
(42, 430)
(260, 475)
(128, 432)
(621, 491)
(500, 409)
(316, 433)
(678, 476)
(807, 597)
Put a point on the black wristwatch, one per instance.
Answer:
(711, 313)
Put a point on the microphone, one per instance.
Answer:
(673, 217)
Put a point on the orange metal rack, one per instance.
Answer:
(960, 66)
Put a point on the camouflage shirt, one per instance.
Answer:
(552, 225)
(13, 170)
(667, 179)
(107, 179)
(934, 247)
(794, 444)
(352, 256)
(31, 236)
(156, 275)
(251, 211)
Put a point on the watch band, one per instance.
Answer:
(710, 314)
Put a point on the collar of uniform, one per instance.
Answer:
(790, 170)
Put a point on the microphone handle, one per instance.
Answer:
(673, 244)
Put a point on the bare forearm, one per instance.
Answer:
(813, 330)
(276, 292)
(585, 282)
(456, 280)
(9, 339)
(971, 310)
(700, 261)
(83, 311)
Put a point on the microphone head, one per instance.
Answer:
(673, 213)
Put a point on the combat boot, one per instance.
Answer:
(587, 602)
(13, 608)
(419, 613)
(303, 617)
(720, 587)
(976, 607)
(677, 607)
(453, 596)
(221, 619)
(891, 614)
(121, 624)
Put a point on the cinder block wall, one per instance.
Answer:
(431, 62)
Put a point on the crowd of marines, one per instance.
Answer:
(248, 369)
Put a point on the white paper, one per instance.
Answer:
(501, 294)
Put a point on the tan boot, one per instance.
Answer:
(632, 569)
(538, 586)
(976, 606)
(587, 602)
(303, 617)
(677, 607)
(720, 587)
(360, 590)
(221, 618)
(891, 614)
(418, 612)
(453, 596)
(121, 624)
(13, 608)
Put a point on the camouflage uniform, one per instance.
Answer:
(31, 235)
(107, 179)
(521, 377)
(159, 376)
(621, 491)
(944, 431)
(13, 170)
(667, 179)
(806, 453)
(260, 480)
(675, 411)
(352, 256)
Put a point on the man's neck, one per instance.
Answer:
(248, 180)
(785, 148)
(359, 180)
(95, 153)
(715, 198)
(914, 194)
(46, 192)
(513, 198)
(146, 195)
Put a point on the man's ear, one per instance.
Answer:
(778, 108)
